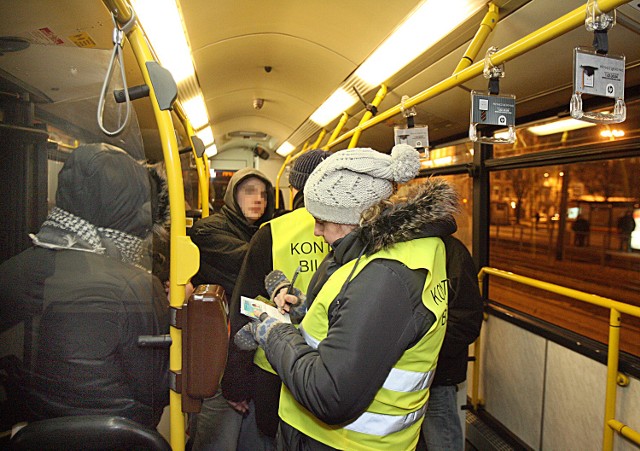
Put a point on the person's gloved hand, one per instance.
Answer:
(255, 333)
(275, 282)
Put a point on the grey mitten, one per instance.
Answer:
(244, 338)
(255, 333)
(276, 281)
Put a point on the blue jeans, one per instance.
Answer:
(220, 427)
(441, 427)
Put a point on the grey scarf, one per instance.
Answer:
(63, 230)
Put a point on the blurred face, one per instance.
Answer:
(251, 195)
(331, 231)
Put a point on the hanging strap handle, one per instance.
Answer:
(118, 42)
(492, 72)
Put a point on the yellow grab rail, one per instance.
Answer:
(613, 354)
(184, 254)
(316, 144)
(533, 40)
(382, 92)
(486, 27)
(337, 130)
(201, 163)
(280, 172)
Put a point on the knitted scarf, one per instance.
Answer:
(63, 230)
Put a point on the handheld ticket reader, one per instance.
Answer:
(597, 72)
(491, 111)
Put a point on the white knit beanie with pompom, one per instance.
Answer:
(352, 180)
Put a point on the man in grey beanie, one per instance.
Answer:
(356, 374)
(284, 243)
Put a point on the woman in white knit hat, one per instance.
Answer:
(357, 372)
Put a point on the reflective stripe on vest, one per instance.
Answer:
(294, 244)
(379, 424)
(392, 420)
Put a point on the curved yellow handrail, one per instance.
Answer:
(185, 256)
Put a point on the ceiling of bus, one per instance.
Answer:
(311, 48)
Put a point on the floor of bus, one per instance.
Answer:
(481, 435)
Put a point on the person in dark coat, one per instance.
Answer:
(580, 229)
(442, 428)
(85, 293)
(288, 242)
(626, 225)
(223, 239)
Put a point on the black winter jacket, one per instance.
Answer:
(90, 310)
(85, 297)
(464, 314)
(242, 379)
(223, 238)
(378, 316)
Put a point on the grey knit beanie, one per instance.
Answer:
(352, 180)
(304, 166)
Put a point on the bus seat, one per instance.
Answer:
(90, 432)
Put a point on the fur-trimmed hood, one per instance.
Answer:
(416, 211)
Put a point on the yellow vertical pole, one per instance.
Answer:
(612, 376)
(316, 144)
(203, 173)
(305, 146)
(185, 257)
(368, 115)
(337, 130)
(486, 27)
(280, 172)
(205, 180)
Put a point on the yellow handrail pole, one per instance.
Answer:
(475, 372)
(541, 36)
(185, 257)
(616, 308)
(367, 115)
(625, 431)
(203, 174)
(206, 180)
(564, 291)
(612, 375)
(280, 172)
(316, 144)
(485, 29)
(475, 375)
(306, 146)
(337, 130)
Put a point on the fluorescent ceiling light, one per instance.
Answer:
(211, 151)
(431, 22)
(206, 135)
(332, 107)
(285, 148)
(163, 27)
(559, 127)
(196, 111)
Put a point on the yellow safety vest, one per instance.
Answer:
(392, 421)
(294, 244)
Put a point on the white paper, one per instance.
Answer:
(254, 308)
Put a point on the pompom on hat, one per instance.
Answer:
(304, 166)
(352, 180)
